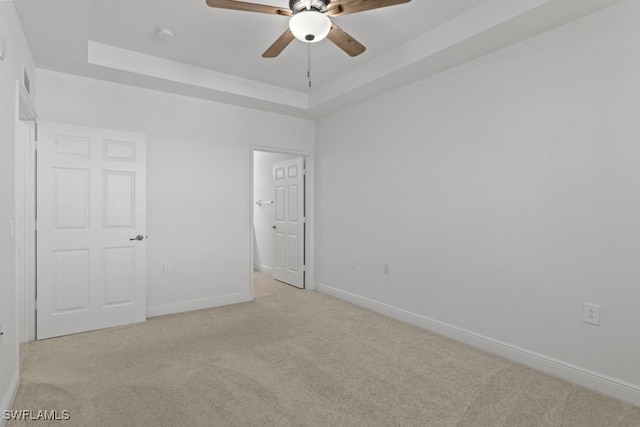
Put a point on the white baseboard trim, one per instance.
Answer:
(584, 377)
(263, 268)
(10, 396)
(199, 304)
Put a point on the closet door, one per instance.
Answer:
(91, 229)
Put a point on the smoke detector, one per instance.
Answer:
(165, 33)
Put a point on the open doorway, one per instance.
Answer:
(282, 217)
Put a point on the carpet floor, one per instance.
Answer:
(293, 358)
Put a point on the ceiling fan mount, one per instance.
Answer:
(310, 20)
(302, 5)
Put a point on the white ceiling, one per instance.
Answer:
(216, 53)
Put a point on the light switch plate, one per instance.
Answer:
(1, 48)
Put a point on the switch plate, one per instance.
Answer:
(386, 269)
(352, 263)
(1, 332)
(591, 314)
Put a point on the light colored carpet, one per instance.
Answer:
(294, 358)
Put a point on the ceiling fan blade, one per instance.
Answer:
(345, 7)
(278, 46)
(344, 41)
(249, 7)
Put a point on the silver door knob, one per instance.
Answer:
(138, 237)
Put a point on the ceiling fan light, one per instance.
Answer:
(310, 26)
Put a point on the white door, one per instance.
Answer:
(90, 204)
(290, 219)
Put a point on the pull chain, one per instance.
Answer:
(309, 63)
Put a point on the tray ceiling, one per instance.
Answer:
(216, 53)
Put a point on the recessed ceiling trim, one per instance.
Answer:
(177, 72)
(464, 27)
(490, 26)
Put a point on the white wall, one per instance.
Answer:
(503, 193)
(17, 56)
(198, 155)
(264, 217)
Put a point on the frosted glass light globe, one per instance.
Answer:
(310, 26)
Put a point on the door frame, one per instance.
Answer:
(309, 190)
(25, 136)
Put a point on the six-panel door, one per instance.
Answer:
(90, 204)
(289, 227)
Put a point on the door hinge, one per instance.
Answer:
(304, 171)
(34, 145)
(35, 225)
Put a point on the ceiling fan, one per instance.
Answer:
(310, 21)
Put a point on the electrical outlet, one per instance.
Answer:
(167, 268)
(352, 263)
(591, 314)
(386, 268)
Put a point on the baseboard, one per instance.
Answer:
(584, 377)
(199, 304)
(263, 268)
(10, 396)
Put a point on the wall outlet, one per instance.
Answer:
(386, 269)
(167, 268)
(352, 263)
(591, 314)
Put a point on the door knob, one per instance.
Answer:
(138, 237)
(273, 226)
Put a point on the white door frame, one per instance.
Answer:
(309, 241)
(25, 214)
